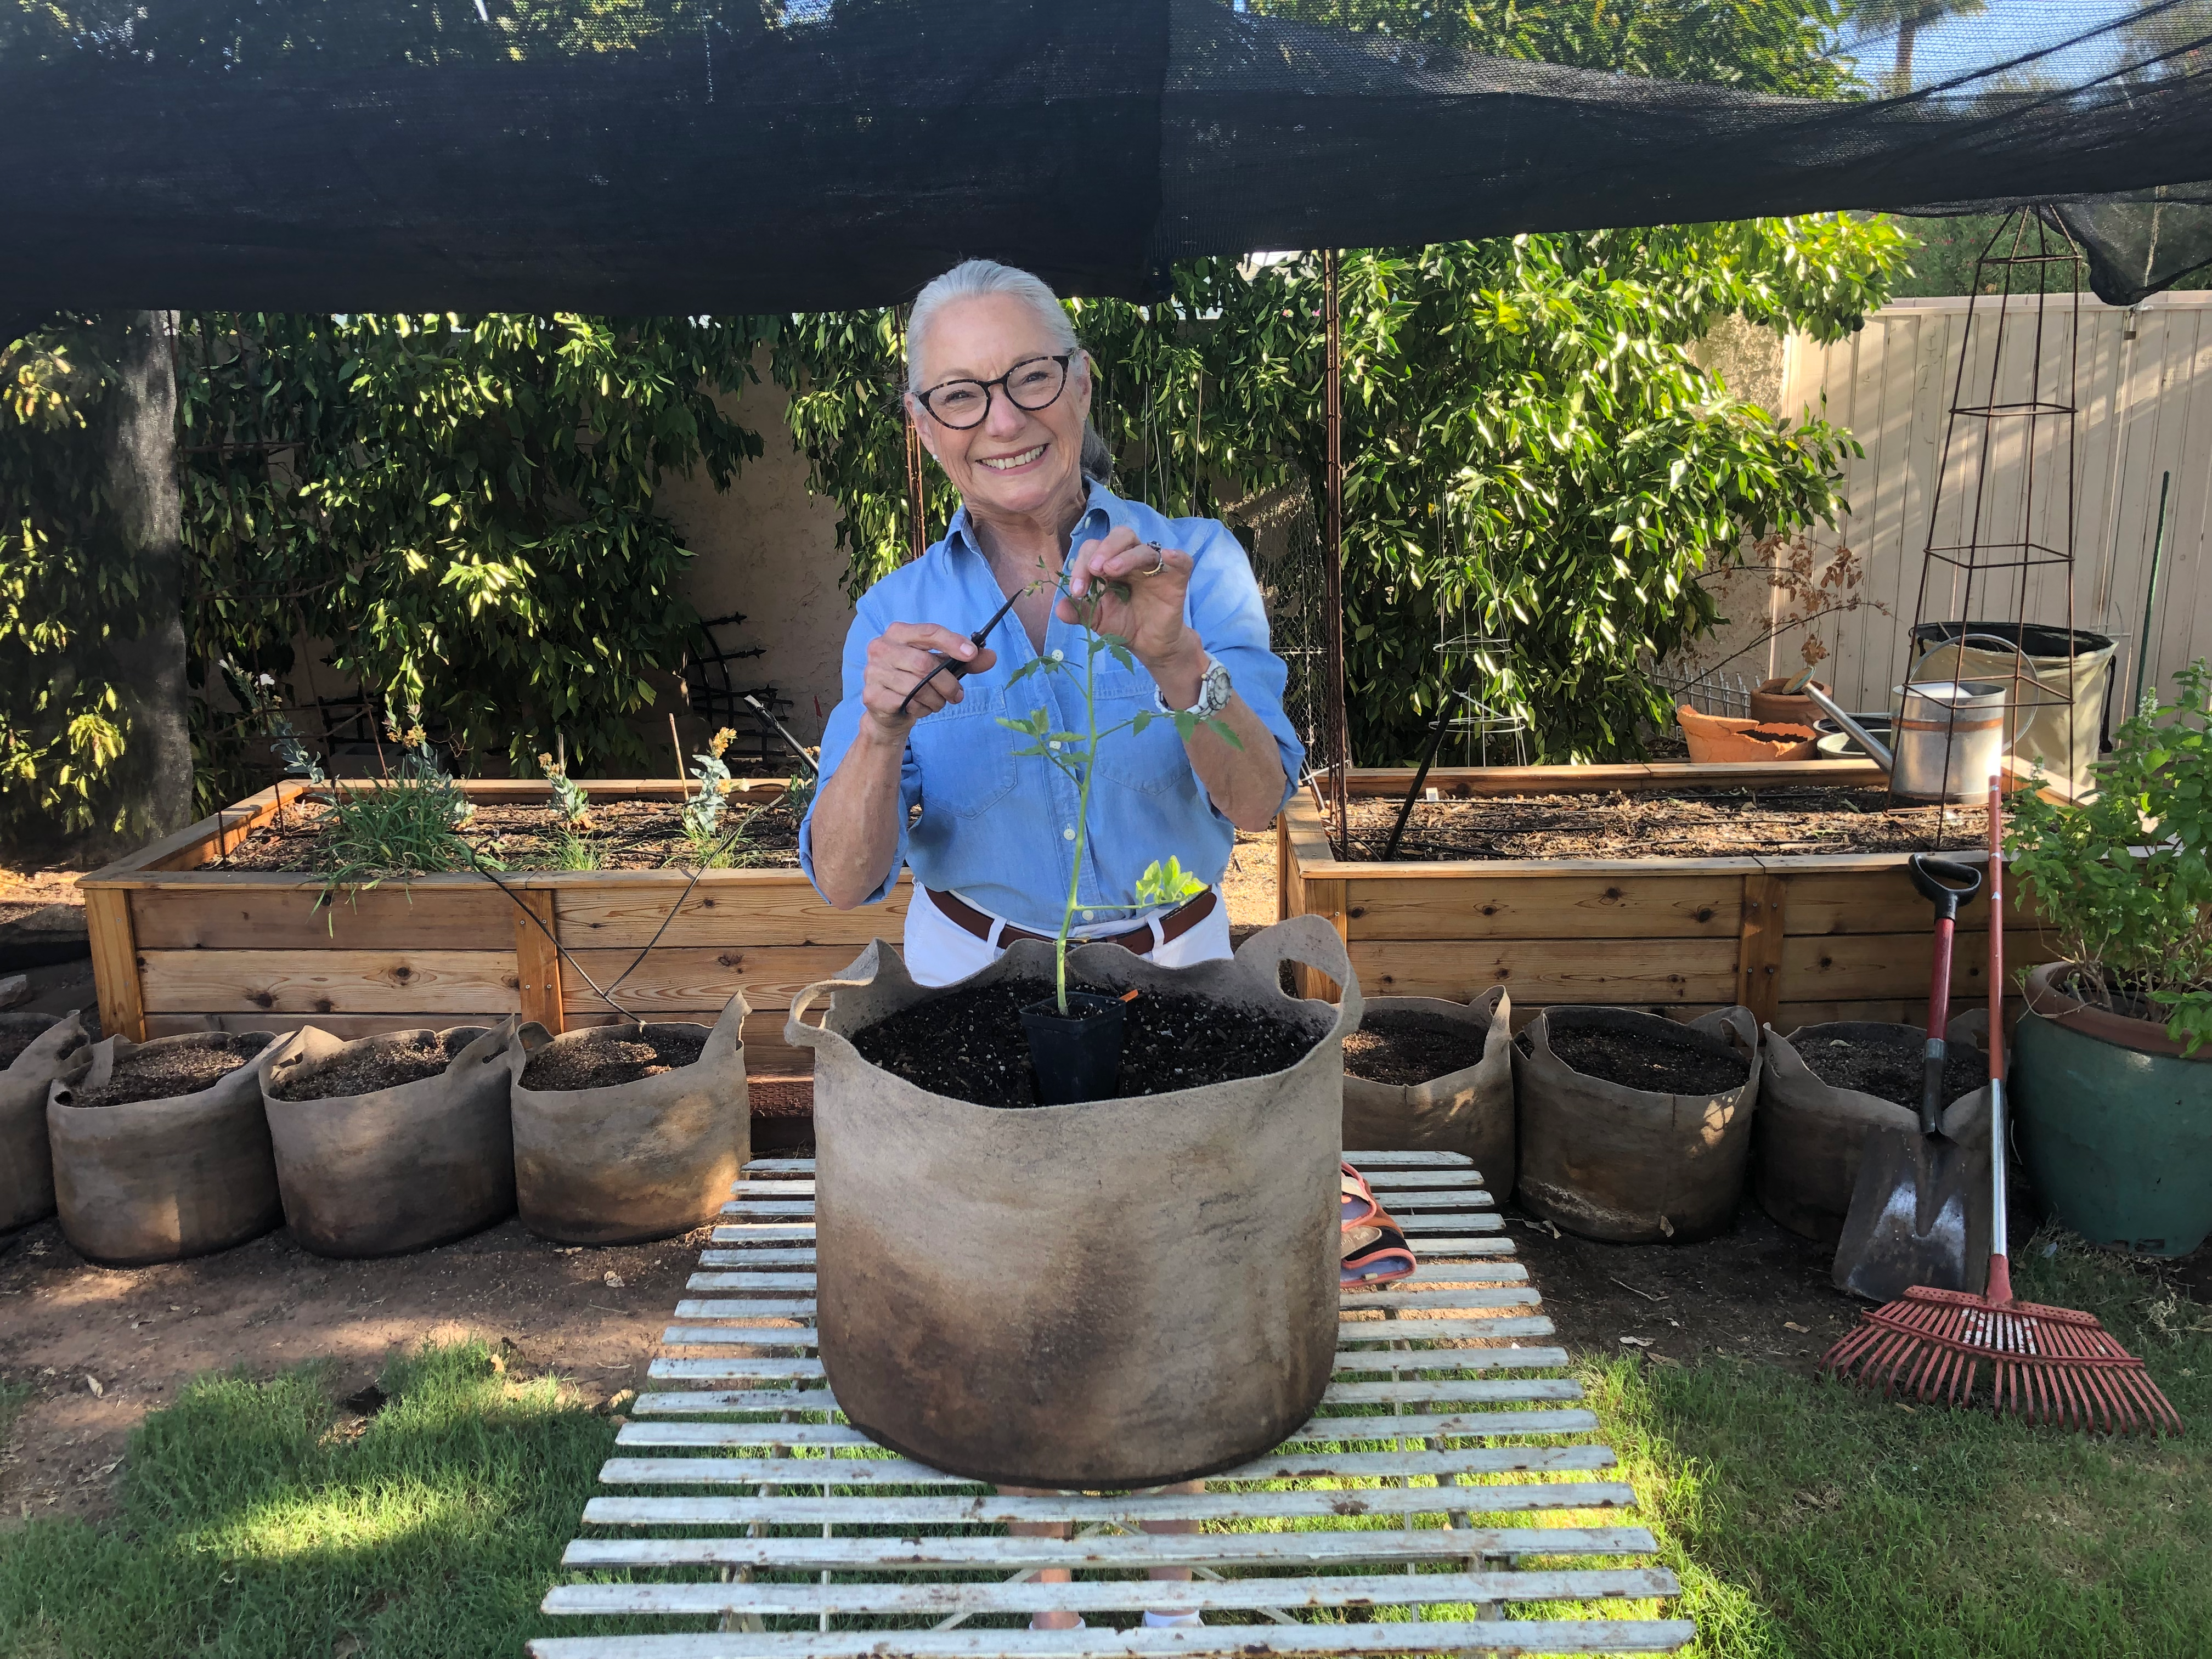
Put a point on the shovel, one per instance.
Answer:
(1908, 1220)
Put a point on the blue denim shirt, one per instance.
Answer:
(999, 830)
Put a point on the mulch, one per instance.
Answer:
(969, 1044)
(1404, 1046)
(365, 1069)
(628, 835)
(608, 1062)
(183, 1068)
(1675, 823)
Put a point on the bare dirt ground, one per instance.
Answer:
(100, 1347)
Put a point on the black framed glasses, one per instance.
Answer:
(1032, 384)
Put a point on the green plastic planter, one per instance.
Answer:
(2116, 1128)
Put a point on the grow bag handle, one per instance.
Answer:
(1313, 941)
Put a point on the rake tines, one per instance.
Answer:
(2047, 1365)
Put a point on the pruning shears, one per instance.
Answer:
(953, 664)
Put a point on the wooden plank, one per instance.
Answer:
(1885, 901)
(284, 915)
(688, 977)
(935, 1598)
(1320, 898)
(1759, 948)
(1460, 782)
(1459, 908)
(612, 913)
(346, 1026)
(196, 843)
(328, 982)
(1109, 1551)
(1857, 967)
(538, 971)
(1540, 971)
(1292, 1641)
(108, 925)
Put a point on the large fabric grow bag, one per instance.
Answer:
(633, 1161)
(399, 1168)
(160, 1180)
(2115, 1124)
(1805, 1148)
(1119, 1293)
(1468, 1111)
(26, 1166)
(1633, 1166)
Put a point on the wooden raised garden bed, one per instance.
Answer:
(1797, 938)
(179, 946)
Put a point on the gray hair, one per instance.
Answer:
(974, 278)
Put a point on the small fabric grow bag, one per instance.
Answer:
(1633, 1166)
(395, 1168)
(631, 1161)
(26, 1166)
(1805, 1156)
(1468, 1111)
(160, 1180)
(1113, 1294)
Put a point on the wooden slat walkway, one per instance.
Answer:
(1357, 1535)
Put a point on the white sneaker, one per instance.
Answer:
(1171, 1620)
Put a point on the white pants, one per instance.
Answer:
(940, 950)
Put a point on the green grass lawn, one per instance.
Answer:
(1805, 1517)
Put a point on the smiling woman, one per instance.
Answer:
(1000, 389)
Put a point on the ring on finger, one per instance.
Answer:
(1159, 559)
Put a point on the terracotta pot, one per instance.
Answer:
(1715, 739)
(1772, 706)
(160, 1180)
(1468, 1111)
(634, 1161)
(1115, 1293)
(399, 1168)
(1633, 1166)
(27, 1164)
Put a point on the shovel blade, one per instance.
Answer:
(1919, 1215)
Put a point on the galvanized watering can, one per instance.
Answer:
(1949, 734)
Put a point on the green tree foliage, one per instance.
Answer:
(462, 506)
(61, 726)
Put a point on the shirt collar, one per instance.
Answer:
(1106, 511)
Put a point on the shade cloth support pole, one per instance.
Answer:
(1336, 727)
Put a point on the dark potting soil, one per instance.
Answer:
(562, 1067)
(184, 1068)
(1642, 1059)
(969, 1044)
(1406, 1047)
(13, 1043)
(364, 1070)
(1890, 1071)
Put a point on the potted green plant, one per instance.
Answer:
(2113, 1074)
(1075, 1037)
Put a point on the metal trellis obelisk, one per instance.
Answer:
(1335, 728)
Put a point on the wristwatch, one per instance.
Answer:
(1212, 694)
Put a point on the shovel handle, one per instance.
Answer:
(1944, 883)
(1939, 1016)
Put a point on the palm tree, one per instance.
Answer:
(1908, 18)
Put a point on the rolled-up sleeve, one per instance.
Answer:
(837, 739)
(1230, 620)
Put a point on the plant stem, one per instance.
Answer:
(1082, 817)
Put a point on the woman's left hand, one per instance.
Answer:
(1140, 591)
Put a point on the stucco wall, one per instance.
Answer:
(768, 550)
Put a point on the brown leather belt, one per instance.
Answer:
(1174, 925)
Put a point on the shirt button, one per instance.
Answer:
(1068, 834)
(1086, 915)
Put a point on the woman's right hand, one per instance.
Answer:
(904, 655)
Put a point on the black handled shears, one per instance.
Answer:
(975, 639)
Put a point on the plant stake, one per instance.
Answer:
(2047, 1365)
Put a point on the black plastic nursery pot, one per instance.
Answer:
(1077, 1054)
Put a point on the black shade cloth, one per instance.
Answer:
(761, 156)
